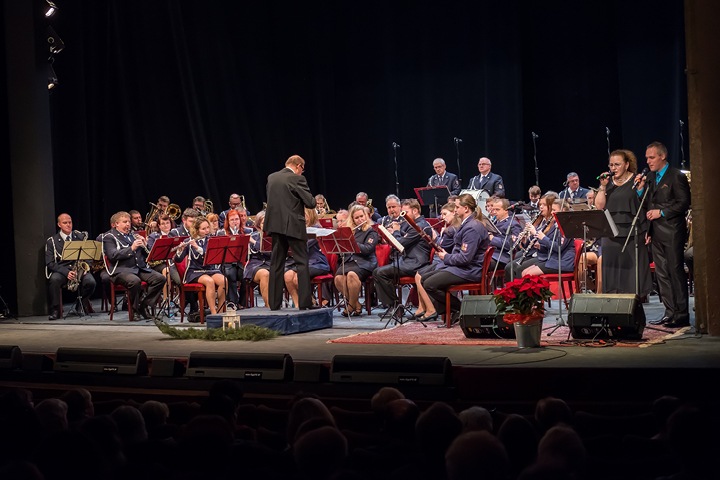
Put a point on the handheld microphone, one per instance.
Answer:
(458, 140)
(396, 145)
(643, 176)
(603, 175)
(535, 135)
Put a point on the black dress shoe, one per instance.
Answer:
(664, 320)
(415, 316)
(678, 323)
(430, 318)
(145, 312)
(54, 316)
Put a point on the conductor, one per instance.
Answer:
(287, 197)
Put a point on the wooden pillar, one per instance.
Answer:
(702, 42)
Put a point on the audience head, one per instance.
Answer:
(154, 413)
(79, 403)
(476, 419)
(436, 428)
(562, 446)
(52, 415)
(384, 396)
(662, 408)
(552, 411)
(304, 410)
(475, 455)
(131, 425)
(221, 405)
(400, 418)
(320, 452)
(518, 436)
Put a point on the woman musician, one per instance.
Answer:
(355, 269)
(465, 263)
(196, 272)
(317, 261)
(214, 221)
(164, 225)
(233, 271)
(617, 196)
(445, 241)
(258, 266)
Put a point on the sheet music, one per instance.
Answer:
(320, 232)
(390, 239)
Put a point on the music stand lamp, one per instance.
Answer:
(341, 242)
(432, 195)
(75, 251)
(226, 249)
(162, 250)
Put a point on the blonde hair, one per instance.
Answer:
(450, 207)
(195, 227)
(351, 223)
(311, 217)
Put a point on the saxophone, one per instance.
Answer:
(80, 268)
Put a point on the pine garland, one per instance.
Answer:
(246, 332)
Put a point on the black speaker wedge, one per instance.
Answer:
(606, 316)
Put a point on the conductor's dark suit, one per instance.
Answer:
(672, 197)
(287, 196)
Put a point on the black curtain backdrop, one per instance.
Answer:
(186, 98)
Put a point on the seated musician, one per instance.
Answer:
(534, 193)
(234, 203)
(188, 218)
(258, 266)
(526, 255)
(491, 182)
(197, 272)
(136, 221)
(446, 242)
(503, 245)
(60, 273)
(320, 207)
(548, 240)
(199, 204)
(341, 216)
(161, 266)
(392, 203)
(162, 205)
(234, 271)
(362, 199)
(100, 267)
(464, 264)
(442, 178)
(126, 265)
(357, 267)
(317, 261)
(415, 256)
(213, 220)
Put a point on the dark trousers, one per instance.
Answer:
(280, 245)
(436, 284)
(133, 283)
(56, 283)
(384, 284)
(671, 278)
(233, 272)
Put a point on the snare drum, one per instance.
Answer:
(480, 196)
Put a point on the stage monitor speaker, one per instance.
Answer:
(391, 370)
(479, 318)
(36, 362)
(10, 357)
(606, 316)
(98, 360)
(246, 366)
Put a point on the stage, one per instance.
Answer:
(491, 373)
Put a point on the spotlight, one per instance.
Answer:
(52, 78)
(52, 8)
(54, 40)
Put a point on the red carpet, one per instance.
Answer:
(415, 334)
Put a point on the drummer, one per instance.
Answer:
(488, 181)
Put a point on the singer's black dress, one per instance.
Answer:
(618, 268)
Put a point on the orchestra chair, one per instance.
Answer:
(382, 252)
(482, 288)
(192, 287)
(567, 279)
(119, 288)
(402, 281)
(329, 279)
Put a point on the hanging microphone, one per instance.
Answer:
(682, 123)
(395, 145)
(607, 130)
(643, 176)
(535, 135)
(458, 140)
(603, 175)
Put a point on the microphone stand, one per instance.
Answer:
(682, 148)
(457, 149)
(502, 247)
(560, 321)
(607, 133)
(537, 170)
(397, 182)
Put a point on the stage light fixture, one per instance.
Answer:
(52, 8)
(54, 40)
(52, 78)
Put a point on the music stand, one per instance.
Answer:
(432, 195)
(162, 250)
(80, 250)
(227, 249)
(342, 242)
(397, 310)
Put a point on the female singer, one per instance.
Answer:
(196, 272)
(465, 263)
(317, 261)
(445, 241)
(359, 266)
(258, 266)
(617, 196)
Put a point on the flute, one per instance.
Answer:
(423, 235)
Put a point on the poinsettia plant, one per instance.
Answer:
(524, 296)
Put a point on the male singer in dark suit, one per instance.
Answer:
(492, 182)
(668, 199)
(287, 197)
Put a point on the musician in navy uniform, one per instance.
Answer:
(234, 203)
(491, 182)
(288, 195)
(534, 193)
(188, 218)
(234, 271)
(415, 256)
(136, 221)
(362, 199)
(59, 273)
(442, 177)
(573, 190)
(392, 203)
(258, 266)
(126, 265)
(502, 245)
(464, 264)
(668, 199)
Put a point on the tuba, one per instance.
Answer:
(173, 211)
(207, 207)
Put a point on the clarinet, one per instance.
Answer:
(423, 235)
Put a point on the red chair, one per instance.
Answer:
(472, 288)
(382, 252)
(191, 287)
(569, 278)
(119, 288)
(328, 279)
